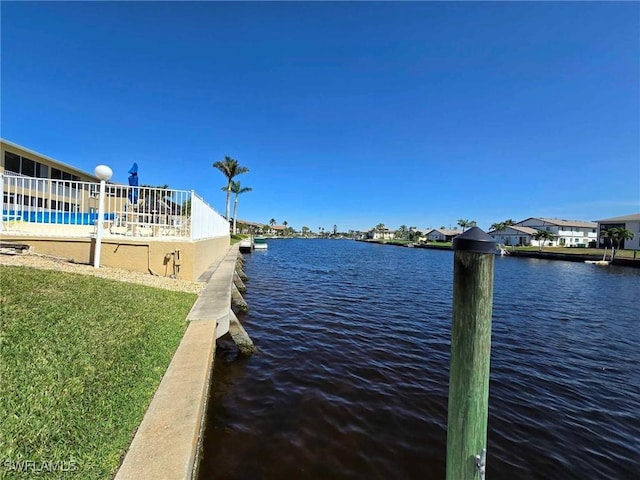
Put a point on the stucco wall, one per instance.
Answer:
(143, 255)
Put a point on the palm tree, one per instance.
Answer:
(623, 234)
(502, 226)
(402, 232)
(305, 231)
(230, 169)
(617, 235)
(380, 228)
(285, 223)
(542, 236)
(238, 190)
(466, 224)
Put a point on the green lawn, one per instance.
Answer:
(237, 238)
(578, 251)
(80, 360)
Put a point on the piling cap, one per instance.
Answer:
(474, 240)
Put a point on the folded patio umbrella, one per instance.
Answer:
(133, 182)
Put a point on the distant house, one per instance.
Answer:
(276, 230)
(567, 233)
(630, 222)
(384, 234)
(442, 234)
(515, 235)
(419, 235)
(246, 227)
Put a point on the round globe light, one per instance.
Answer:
(103, 172)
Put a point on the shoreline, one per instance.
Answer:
(567, 257)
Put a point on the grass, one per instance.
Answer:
(80, 360)
(238, 238)
(577, 251)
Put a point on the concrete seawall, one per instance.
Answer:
(574, 257)
(168, 441)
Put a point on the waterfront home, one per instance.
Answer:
(277, 230)
(629, 222)
(249, 228)
(515, 235)
(53, 208)
(566, 233)
(384, 234)
(442, 234)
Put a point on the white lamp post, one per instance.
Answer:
(104, 173)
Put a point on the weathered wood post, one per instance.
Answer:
(474, 255)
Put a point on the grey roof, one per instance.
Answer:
(563, 223)
(624, 218)
(527, 230)
(517, 228)
(445, 231)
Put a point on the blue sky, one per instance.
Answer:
(353, 114)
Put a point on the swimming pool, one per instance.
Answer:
(63, 218)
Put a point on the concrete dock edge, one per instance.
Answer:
(168, 441)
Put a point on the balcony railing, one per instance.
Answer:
(47, 207)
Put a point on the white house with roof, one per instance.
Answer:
(442, 234)
(567, 233)
(630, 222)
(515, 235)
(384, 234)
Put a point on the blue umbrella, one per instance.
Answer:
(133, 182)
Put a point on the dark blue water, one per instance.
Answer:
(351, 378)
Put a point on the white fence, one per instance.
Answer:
(205, 221)
(47, 207)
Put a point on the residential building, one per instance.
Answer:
(515, 235)
(384, 234)
(567, 233)
(53, 207)
(277, 230)
(249, 228)
(442, 234)
(629, 222)
(23, 161)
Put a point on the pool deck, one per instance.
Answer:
(168, 441)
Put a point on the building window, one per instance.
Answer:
(24, 166)
(28, 167)
(42, 171)
(11, 162)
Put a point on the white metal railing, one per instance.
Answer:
(47, 207)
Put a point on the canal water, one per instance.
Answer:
(351, 377)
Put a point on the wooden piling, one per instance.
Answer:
(474, 255)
